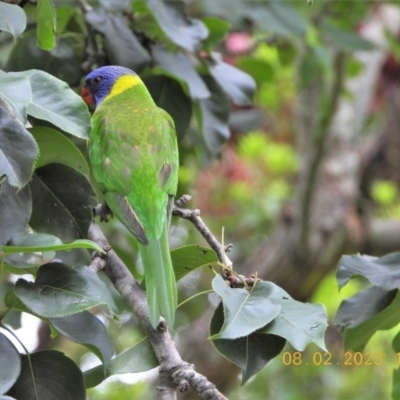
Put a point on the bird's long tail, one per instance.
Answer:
(160, 280)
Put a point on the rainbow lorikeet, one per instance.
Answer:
(134, 156)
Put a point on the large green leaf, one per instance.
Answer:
(11, 301)
(217, 30)
(138, 358)
(299, 323)
(345, 40)
(396, 372)
(48, 374)
(84, 328)
(212, 116)
(16, 91)
(54, 101)
(170, 20)
(62, 202)
(250, 353)
(61, 290)
(46, 24)
(245, 311)
(396, 384)
(8, 356)
(18, 151)
(12, 19)
(44, 242)
(239, 85)
(228, 10)
(383, 272)
(277, 17)
(179, 66)
(15, 210)
(188, 258)
(169, 95)
(357, 337)
(122, 46)
(56, 148)
(63, 61)
(363, 306)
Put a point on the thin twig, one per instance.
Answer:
(174, 372)
(194, 217)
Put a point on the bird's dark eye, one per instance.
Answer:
(97, 80)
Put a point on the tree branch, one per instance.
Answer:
(194, 217)
(179, 210)
(174, 372)
(321, 135)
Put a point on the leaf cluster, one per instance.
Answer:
(373, 308)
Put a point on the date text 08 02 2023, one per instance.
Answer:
(349, 358)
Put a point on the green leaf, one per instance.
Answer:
(246, 120)
(84, 328)
(356, 338)
(170, 19)
(18, 151)
(363, 306)
(396, 384)
(286, 53)
(64, 16)
(299, 323)
(56, 148)
(188, 258)
(212, 115)
(49, 374)
(278, 17)
(122, 46)
(8, 356)
(260, 70)
(12, 301)
(239, 85)
(62, 202)
(250, 353)
(61, 290)
(54, 101)
(178, 66)
(244, 311)
(12, 19)
(44, 242)
(63, 61)
(15, 210)
(383, 271)
(46, 24)
(16, 91)
(217, 30)
(169, 95)
(396, 343)
(345, 40)
(138, 358)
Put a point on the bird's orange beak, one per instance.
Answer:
(87, 96)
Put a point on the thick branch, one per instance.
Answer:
(174, 372)
(321, 136)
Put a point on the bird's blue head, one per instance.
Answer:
(100, 82)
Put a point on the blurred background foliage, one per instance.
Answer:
(246, 180)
